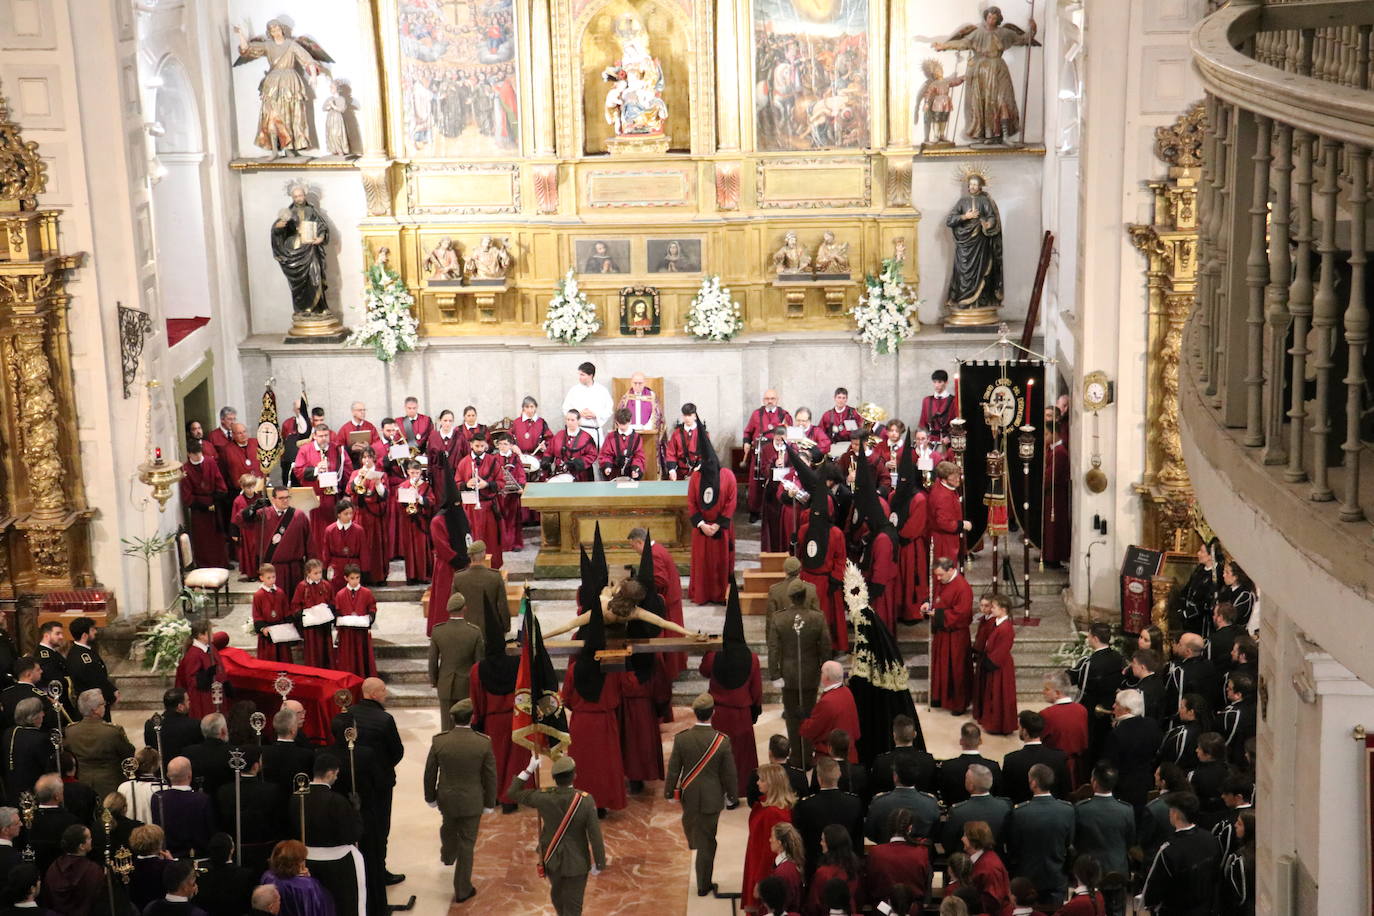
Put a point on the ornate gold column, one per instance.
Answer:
(42, 471)
(1170, 243)
(727, 78)
(541, 58)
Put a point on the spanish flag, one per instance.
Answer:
(539, 722)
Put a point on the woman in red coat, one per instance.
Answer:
(774, 807)
(711, 503)
(903, 859)
(411, 515)
(837, 861)
(491, 687)
(311, 591)
(989, 876)
(997, 674)
(369, 496)
(786, 842)
(736, 686)
(952, 613)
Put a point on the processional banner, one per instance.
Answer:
(1013, 392)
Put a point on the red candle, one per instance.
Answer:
(157, 455)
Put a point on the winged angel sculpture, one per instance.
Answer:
(283, 126)
(990, 100)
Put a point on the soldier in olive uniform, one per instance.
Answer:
(981, 805)
(454, 647)
(1104, 827)
(99, 747)
(460, 780)
(798, 643)
(85, 666)
(701, 772)
(569, 845)
(777, 592)
(1038, 835)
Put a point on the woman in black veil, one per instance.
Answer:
(877, 675)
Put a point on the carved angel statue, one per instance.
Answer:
(791, 258)
(989, 97)
(489, 262)
(283, 128)
(634, 104)
(443, 262)
(832, 257)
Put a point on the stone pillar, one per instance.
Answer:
(899, 78)
(370, 125)
(541, 57)
(727, 77)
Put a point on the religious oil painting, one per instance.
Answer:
(458, 78)
(674, 256)
(639, 311)
(811, 74)
(602, 256)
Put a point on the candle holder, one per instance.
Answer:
(157, 472)
(1025, 449)
(958, 436)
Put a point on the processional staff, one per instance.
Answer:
(237, 764)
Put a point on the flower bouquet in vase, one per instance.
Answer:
(571, 318)
(713, 315)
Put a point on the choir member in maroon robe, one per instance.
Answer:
(318, 639)
(272, 606)
(711, 505)
(592, 696)
(194, 430)
(952, 611)
(449, 538)
(667, 585)
(201, 487)
(772, 463)
(903, 859)
(622, 454)
(928, 456)
(842, 422)
(682, 451)
(283, 536)
(344, 542)
(533, 436)
(989, 873)
(887, 455)
(355, 642)
(734, 682)
(939, 408)
(413, 511)
(198, 669)
(997, 673)
(356, 423)
(479, 474)
(815, 433)
(491, 687)
(395, 471)
(319, 460)
(572, 450)
(250, 500)
(834, 709)
(510, 469)
(945, 506)
(369, 497)
(239, 455)
(1058, 488)
(789, 856)
(415, 427)
(470, 429)
(761, 424)
(222, 433)
(445, 440)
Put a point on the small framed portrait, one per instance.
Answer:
(674, 256)
(639, 315)
(602, 256)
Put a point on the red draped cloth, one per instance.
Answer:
(832, 603)
(319, 649)
(595, 730)
(713, 558)
(734, 715)
(314, 688)
(997, 688)
(355, 643)
(640, 742)
(758, 858)
(491, 715)
(949, 675)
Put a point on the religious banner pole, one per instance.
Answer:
(237, 764)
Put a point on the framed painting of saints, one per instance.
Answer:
(673, 256)
(602, 256)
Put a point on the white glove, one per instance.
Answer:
(530, 768)
(595, 871)
(433, 804)
(777, 682)
(488, 810)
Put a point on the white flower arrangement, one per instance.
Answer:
(389, 327)
(887, 312)
(713, 314)
(572, 316)
(160, 646)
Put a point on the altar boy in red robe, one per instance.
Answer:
(952, 611)
(682, 453)
(355, 642)
(946, 508)
(997, 673)
(711, 505)
(271, 607)
(319, 639)
(201, 488)
(622, 454)
(939, 408)
(198, 669)
(343, 541)
(479, 473)
(247, 504)
(315, 459)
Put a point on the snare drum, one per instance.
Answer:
(561, 478)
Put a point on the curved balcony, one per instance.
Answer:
(1276, 398)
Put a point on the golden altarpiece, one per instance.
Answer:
(547, 178)
(44, 521)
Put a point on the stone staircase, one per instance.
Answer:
(402, 647)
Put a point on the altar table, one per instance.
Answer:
(569, 512)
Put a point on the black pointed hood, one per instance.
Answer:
(455, 519)
(905, 491)
(734, 661)
(497, 670)
(642, 663)
(867, 503)
(708, 492)
(814, 549)
(588, 678)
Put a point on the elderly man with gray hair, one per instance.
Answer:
(834, 709)
(981, 805)
(1066, 724)
(25, 749)
(210, 758)
(98, 746)
(10, 825)
(266, 900)
(1131, 748)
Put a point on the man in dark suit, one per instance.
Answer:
(460, 780)
(925, 810)
(1238, 794)
(186, 816)
(85, 666)
(1223, 638)
(1098, 676)
(828, 806)
(25, 750)
(1104, 827)
(1131, 747)
(210, 758)
(566, 862)
(701, 772)
(322, 818)
(10, 825)
(1182, 878)
(950, 778)
(50, 819)
(1038, 835)
(1016, 766)
(27, 674)
(853, 776)
(485, 591)
(52, 658)
(904, 748)
(1191, 672)
(779, 749)
(377, 730)
(283, 757)
(225, 888)
(1146, 666)
(263, 807)
(798, 644)
(1238, 719)
(179, 730)
(980, 805)
(363, 779)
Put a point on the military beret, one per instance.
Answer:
(456, 602)
(703, 702)
(797, 587)
(462, 708)
(477, 549)
(791, 565)
(563, 765)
